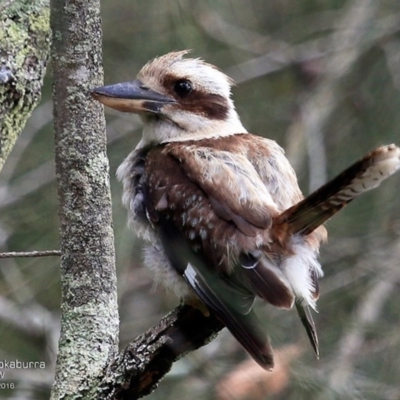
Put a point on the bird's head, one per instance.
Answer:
(177, 98)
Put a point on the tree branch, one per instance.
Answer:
(20, 254)
(24, 50)
(137, 370)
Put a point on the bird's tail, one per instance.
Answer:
(366, 174)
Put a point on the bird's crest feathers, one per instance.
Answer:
(203, 75)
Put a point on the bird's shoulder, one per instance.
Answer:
(248, 173)
(225, 170)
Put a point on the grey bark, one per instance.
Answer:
(89, 322)
(24, 51)
(138, 369)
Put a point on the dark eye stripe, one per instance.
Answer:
(211, 105)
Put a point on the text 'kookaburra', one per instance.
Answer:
(220, 207)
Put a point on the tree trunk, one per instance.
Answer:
(89, 322)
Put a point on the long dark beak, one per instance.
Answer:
(131, 97)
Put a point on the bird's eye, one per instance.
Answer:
(183, 87)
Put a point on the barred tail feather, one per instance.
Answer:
(366, 174)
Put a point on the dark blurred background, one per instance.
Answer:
(320, 77)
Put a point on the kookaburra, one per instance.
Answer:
(220, 207)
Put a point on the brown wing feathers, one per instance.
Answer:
(179, 205)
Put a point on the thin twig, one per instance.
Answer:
(20, 254)
(44, 173)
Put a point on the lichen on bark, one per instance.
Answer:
(24, 51)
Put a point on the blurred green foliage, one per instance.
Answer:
(285, 57)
